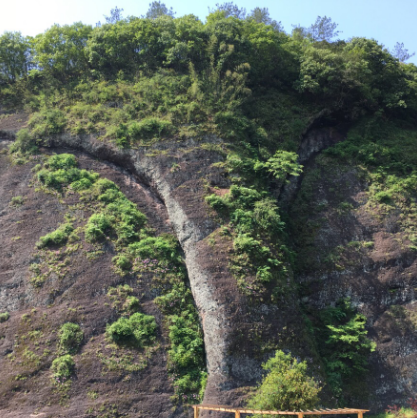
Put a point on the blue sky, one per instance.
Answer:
(387, 21)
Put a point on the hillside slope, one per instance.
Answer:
(181, 200)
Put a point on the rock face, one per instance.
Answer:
(360, 251)
(168, 182)
(223, 311)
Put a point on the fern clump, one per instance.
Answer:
(58, 237)
(137, 330)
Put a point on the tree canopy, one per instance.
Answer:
(158, 9)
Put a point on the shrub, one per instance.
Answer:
(24, 143)
(266, 215)
(110, 195)
(343, 344)
(61, 170)
(56, 179)
(70, 337)
(122, 262)
(96, 226)
(47, 122)
(164, 247)
(150, 128)
(57, 237)
(137, 330)
(217, 203)
(244, 243)
(82, 184)
(283, 164)
(101, 185)
(383, 197)
(131, 304)
(63, 367)
(187, 346)
(4, 317)
(244, 197)
(286, 387)
(59, 161)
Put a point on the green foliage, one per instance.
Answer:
(70, 337)
(122, 301)
(62, 161)
(253, 216)
(4, 316)
(137, 251)
(60, 52)
(16, 201)
(97, 226)
(286, 387)
(24, 143)
(122, 261)
(163, 248)
(131, 304)
(47, 122)
(58, 237)
(138, 330)
(186, 353)
(241, 78)
(14, 50)
(282, 165)
(323, 29)
(343, 344)
(63, 367)
(61, 170)
(388, 151)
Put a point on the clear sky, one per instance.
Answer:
(387, 21)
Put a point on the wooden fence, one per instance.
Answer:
(299, 414)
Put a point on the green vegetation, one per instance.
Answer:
(117, 221)
(70, 337)
(16, 201)
(286, 386)
(137, 80)
(58, 237)
(186, 354)
(4, 316)
(385, 151)
(63, 367)
(257, 237)
(343, 345)
(137, 330)
(395, 411)
(133, 82)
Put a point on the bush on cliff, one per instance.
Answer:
(70, 337)
(63, 367)
(137, 330)
(286, 387)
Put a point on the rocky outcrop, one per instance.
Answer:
(173, 177)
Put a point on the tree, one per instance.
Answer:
(230, 9)
(158, 9)
(14, 56)
(286, 387)
(262, 16)
(401, 53)
(323, 29)
(115, 15)
(61, 52)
